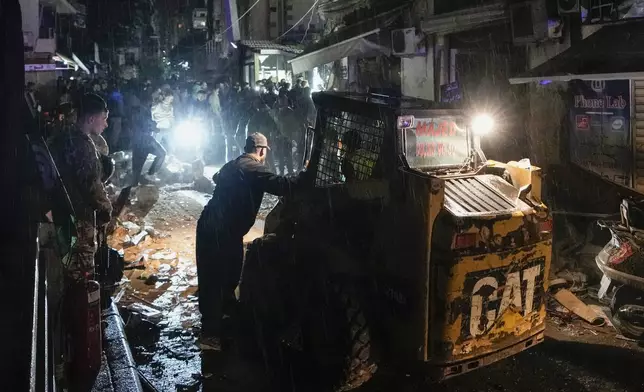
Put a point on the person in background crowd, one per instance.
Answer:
(115, 104)
(215, 107)
(163, 116)
(306, 105)
(143, 144)
(294, 93)
(199, 107)
(270, 95)
(220, 132)
(182, 103)
(78, 162)
(65, 96)
(282, 96)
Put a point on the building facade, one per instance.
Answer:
(54, 40)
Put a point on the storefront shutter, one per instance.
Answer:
(638, 92)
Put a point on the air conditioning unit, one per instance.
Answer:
(568, 6)
(529, 21)
(407, 42)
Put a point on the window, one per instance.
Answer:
(273, 9)
(289, 8)
(273, 24)
(289, 17)
(312, 26)
(47, 22)
(351, 148)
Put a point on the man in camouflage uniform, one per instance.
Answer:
(78, 161)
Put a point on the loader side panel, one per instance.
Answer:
(485, 303)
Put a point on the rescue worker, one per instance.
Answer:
(78, 161)
(227, 217)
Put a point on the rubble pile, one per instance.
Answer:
(157, 294)
(173, 171)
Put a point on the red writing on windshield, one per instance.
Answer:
(430, 128)
(438, 134)
(435, 150)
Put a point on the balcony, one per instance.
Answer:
(61, 6)
(199, 18)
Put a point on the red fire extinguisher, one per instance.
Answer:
(84, 310)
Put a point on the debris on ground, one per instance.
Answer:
(577, 280)
(203, 184)
(166, 255)
(146, 311)
(566, 298)
(131, 227)
(134, 241)
(146, 196)
(160, 285)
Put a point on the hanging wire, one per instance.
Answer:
(299, 21)
(240, 18)
(308, 26)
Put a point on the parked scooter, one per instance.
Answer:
(622, 263)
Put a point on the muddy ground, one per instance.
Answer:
(574, 357)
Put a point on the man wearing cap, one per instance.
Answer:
(77, 159)
(227, 217)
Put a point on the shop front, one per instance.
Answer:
(603, 79)
(355, 56)
(265, 60)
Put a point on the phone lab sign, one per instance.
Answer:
(600, 138)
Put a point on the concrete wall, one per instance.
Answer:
(547, 108)
(545, 122)
(417, 76)
(539, 54)
(258, 24)
(30, 21)
(297, 9)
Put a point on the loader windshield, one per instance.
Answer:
(439, 141)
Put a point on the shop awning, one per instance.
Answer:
(80, 63)
(613, 52)
(269, 48)
(352, 40)
(466, 19)
(355, 46)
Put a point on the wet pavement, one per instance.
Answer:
(574, 356)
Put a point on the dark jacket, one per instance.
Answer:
(241, 184)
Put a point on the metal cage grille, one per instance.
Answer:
(350, 148)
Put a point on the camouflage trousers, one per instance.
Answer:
(80, 260)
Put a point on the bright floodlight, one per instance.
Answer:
(482, 124)
(190, 133)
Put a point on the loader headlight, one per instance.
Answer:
(482, 124)
(190, 133)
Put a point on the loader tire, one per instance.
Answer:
(359, 367)
(343, 362)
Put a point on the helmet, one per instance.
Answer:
(108, 165)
